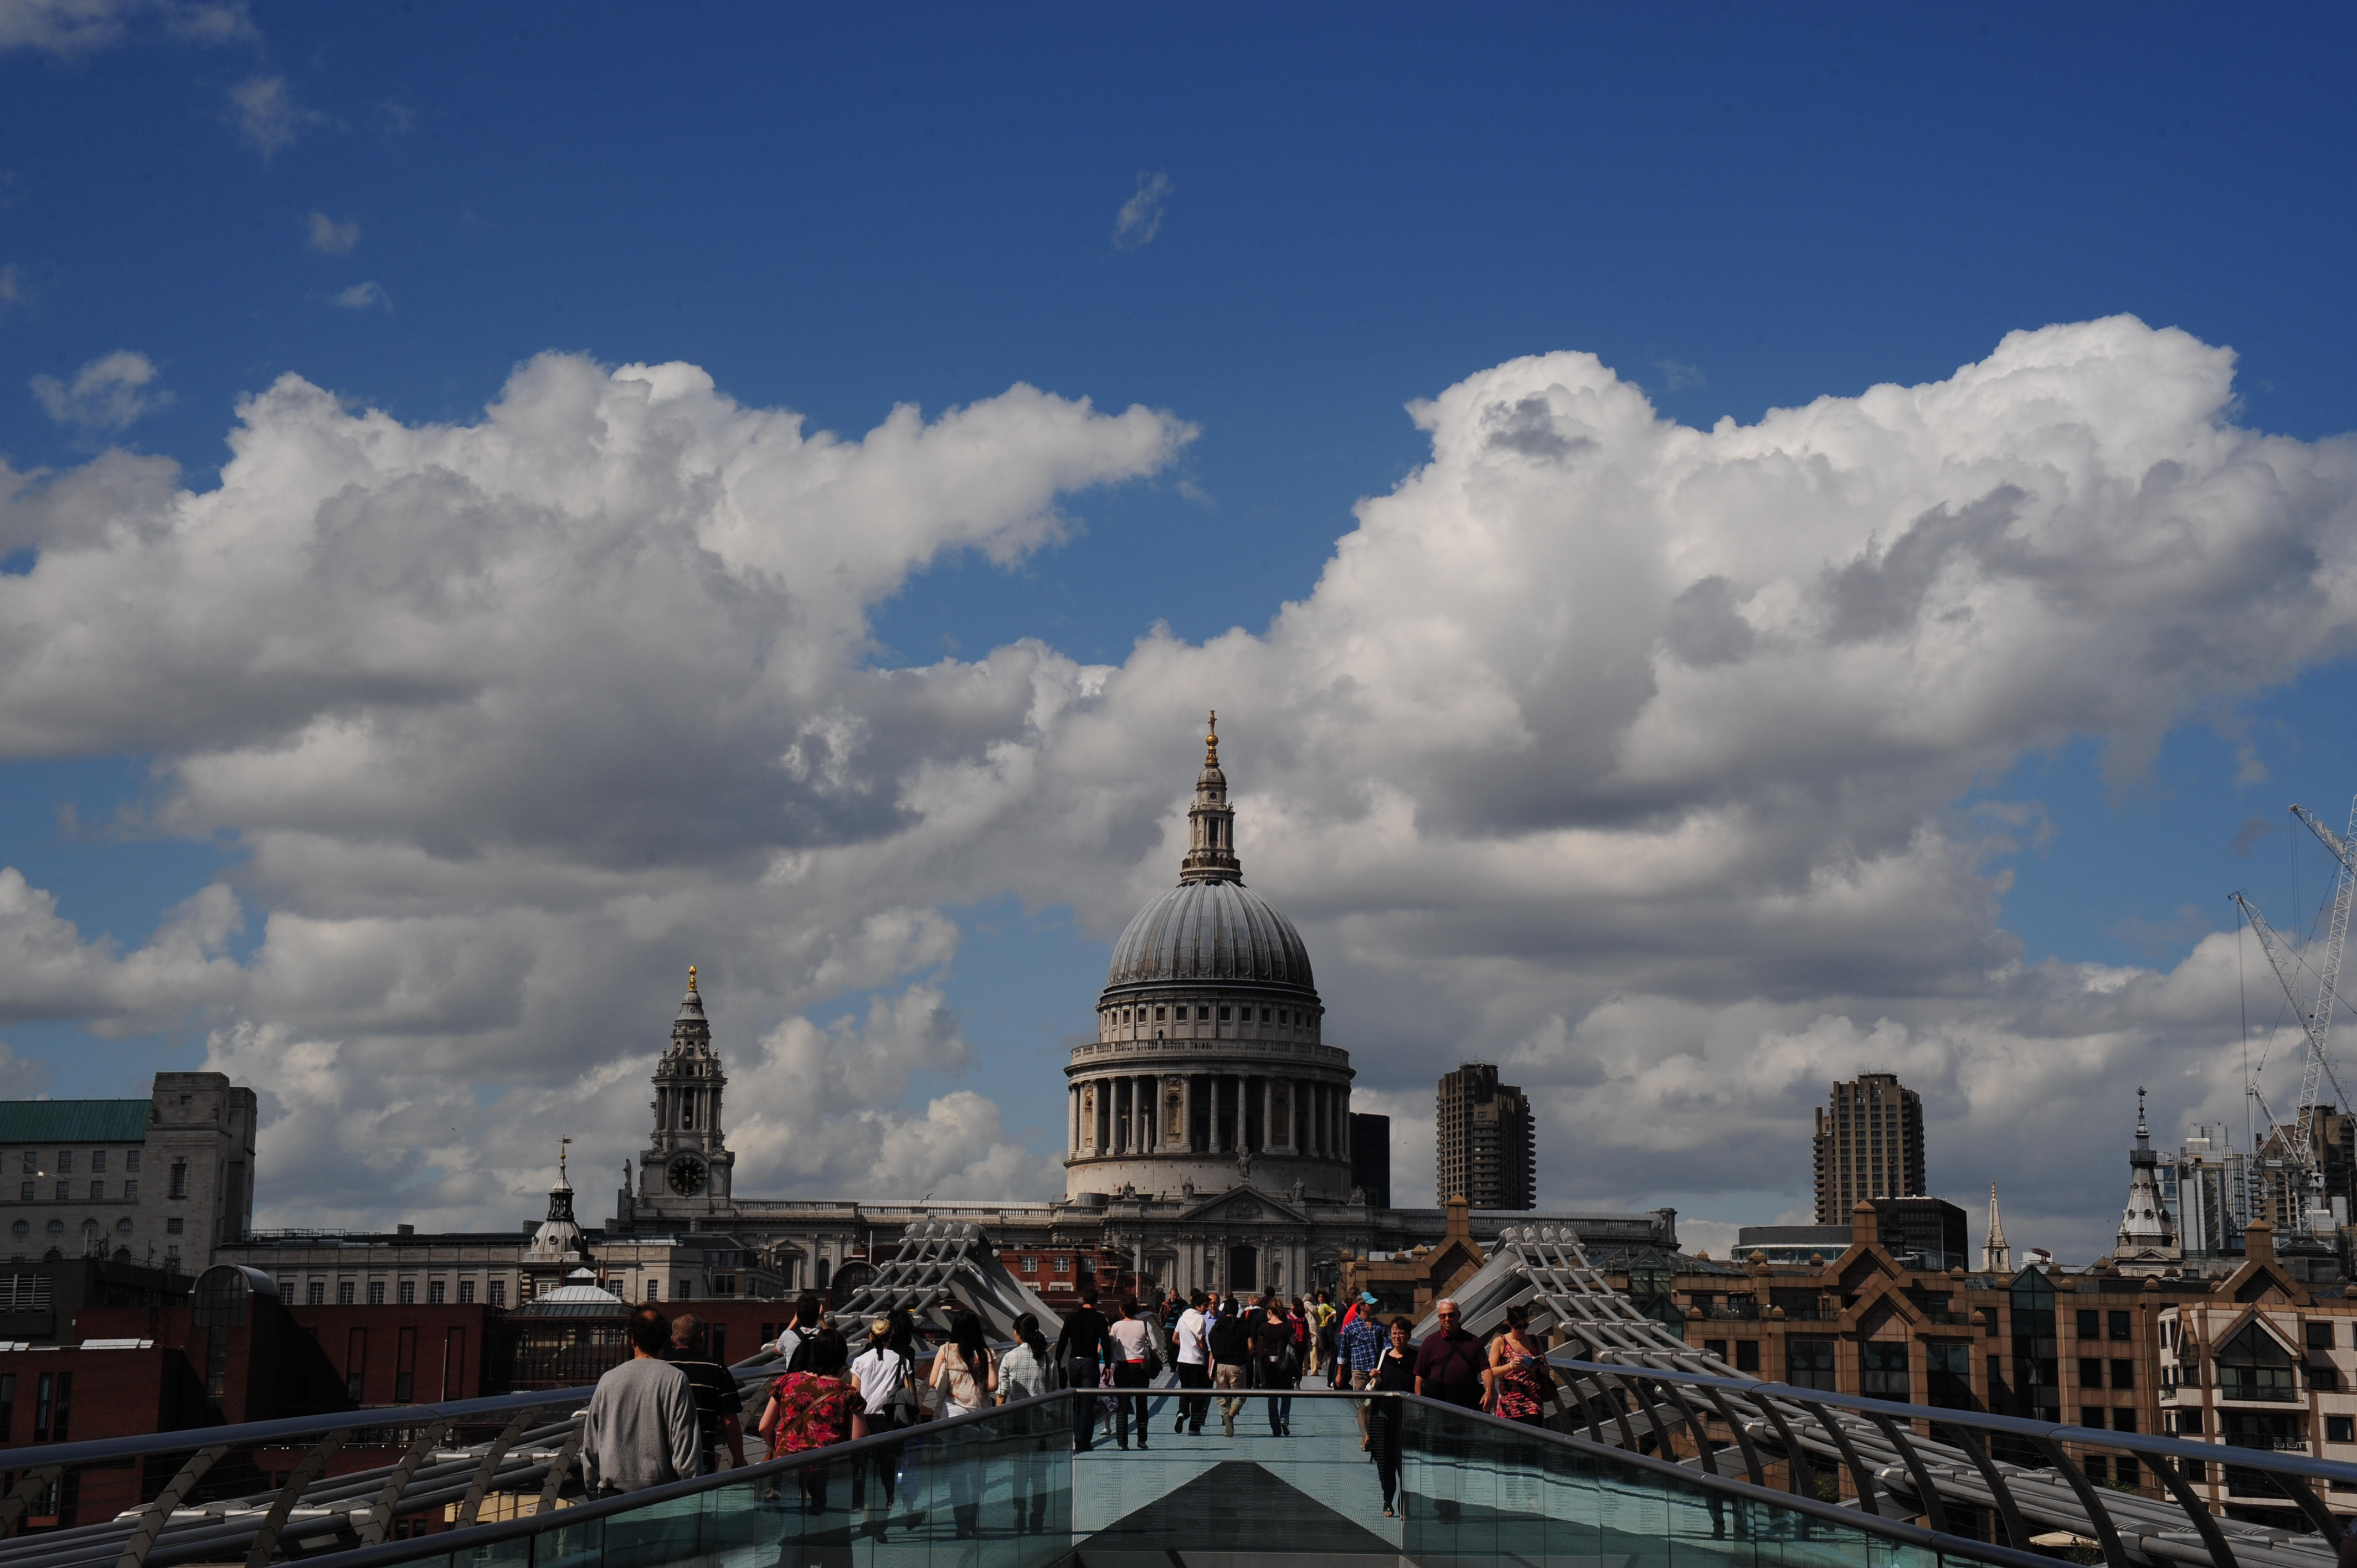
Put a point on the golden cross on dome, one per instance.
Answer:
(1211, 742)
(690, 977)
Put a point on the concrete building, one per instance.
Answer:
(1869, 1143)
(1485, 1144)
(161, 1182)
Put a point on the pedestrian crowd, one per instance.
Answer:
(671, 1411)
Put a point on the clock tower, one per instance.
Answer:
(686, 1167)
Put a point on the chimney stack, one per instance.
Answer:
(2259, 1241)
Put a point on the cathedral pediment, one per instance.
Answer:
(1246, 1206)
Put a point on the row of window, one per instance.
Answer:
(122, 1227)
(29, 1192)
(63, 1191)
(63, 1160)
(314, 1292)
(1203, 1014)
(52, 1407)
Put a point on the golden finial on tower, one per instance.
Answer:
(1211, 742)
(690, 977)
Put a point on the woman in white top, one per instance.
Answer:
(1023, 1372)
(1132, 1339)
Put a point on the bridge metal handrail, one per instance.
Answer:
(451, 1543)
(1876, 1443)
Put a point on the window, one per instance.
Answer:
(465, 1292)
(1747, 1355)
(409, 1293)
(498, 1293)
(2091, 1324)
(316, 1294)
(435, 1291)
(131, 1191)
(65, 1190)
(2090, 1372)
(65, 1161)
(1948, 1373)
(123, 1226)
(176, 1226)
(131, 1160)
(1263, 1015)
(1202, 1014)
(355, 1364)
(25, 1196)
(180, 1184)
(1809, 1364)
(1064, 1265)
(2119, 1327)
(1031, 1265)
(376, 1293)
(7, 1406)
(21, 1229)
(98, 1192)
(1225, 1014)
(2123, 1419)
(2186, 1422)
(1157, 1014)
(685, 1292)
(97, 1160)
(32, 1165)
(2124, 1374)
(1715, 1347)
(2091, 1416)
(1883, 1368)
(53, 1398)
(2341, 1429)
(2319, 1335)
(2251, 1365)
(343, 1293)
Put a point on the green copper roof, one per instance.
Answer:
(38, 1122)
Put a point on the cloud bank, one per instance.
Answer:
(1624, 753)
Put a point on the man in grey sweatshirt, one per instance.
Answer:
(640, 1428)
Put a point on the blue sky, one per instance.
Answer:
(1335, 212)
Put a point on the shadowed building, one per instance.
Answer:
(1868, 1145)
(1487, 1145)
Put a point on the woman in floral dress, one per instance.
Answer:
(811, 1409)
(1517, 1380)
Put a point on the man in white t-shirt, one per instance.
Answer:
(1194, 1364)
(809, 1316)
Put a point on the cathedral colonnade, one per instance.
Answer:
(1222, 1111)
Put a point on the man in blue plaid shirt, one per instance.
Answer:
(1362, 1346)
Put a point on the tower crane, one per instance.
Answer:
(2314, 1014)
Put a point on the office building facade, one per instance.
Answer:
(1868, 1145)
(1487, 1147)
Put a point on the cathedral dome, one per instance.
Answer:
(1210, 931)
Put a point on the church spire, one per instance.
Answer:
(1997, 1258)
(1212, 821)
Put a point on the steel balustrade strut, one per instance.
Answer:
(1621, 1362)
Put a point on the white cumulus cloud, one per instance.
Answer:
(1622, 753)
(266, 114)
(111, 392)
(329, 237)
(367, 294)
(1140, 217)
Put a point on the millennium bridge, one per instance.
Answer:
(1657, 1454)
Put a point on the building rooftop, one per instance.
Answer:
(74, 1120)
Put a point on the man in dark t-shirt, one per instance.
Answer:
(719, 1408)
(1080, 1351)
(1450, 1363)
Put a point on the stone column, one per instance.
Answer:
(1187, 1112)
(1151, 1085)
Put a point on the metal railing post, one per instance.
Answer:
(157, 1514)
(2107, 1535)
(389, 1496)
(2009, 1513)
(1934, 1512)
(266, 1539)
(491, 1465)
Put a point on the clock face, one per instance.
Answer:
(686, 1176)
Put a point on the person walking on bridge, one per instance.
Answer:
(640, 1428)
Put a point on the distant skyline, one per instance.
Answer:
(1730, 550)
